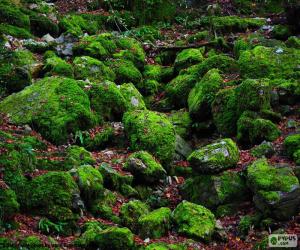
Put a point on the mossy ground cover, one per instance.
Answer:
(147, 125)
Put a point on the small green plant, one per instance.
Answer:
(47, 226)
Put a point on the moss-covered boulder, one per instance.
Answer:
(153, 72)
(253, 95)
(194, 221)
(165, 246)
(16, 70)
(125, 71)
(215, 157)
(254, 130)
(14, 31)
(182, 122)
(130, 213)
(134, 99)
(115, 238)
(150, 131)
(292, 146)
(144, 167)
(179, 88)
(214, 190)
(265, 149)
(87, 238)
(56, 107)
(52, 195)
(187, 58)
(86, 67)
(90, 183)
(224, 111)
(276, 189)
(107, 101)
(155, 224)
(55, 66)
(77, 156)
(270, 63)
(203, 94)
(9, 205)
(34, 242)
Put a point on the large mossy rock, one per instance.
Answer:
(150, 131)
(276, 189)
(144, 167)
(215, 157)
(215, 190)
(194, 221)
(254, 130)
(55, 106)
(224, 111)
(134, 99)
(187, 58)
(130, 213)
(52, 194)
(270, 63)
(203, 94)
(155, 224)
(55, 66)
(115, 238)
(292, 146)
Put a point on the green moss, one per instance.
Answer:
(253, 95)
(296, 156)
(51, 191)
(7, 244)
(179, 88)
(56, 107)
(182, 122)
(194, 221)
(32, 242)
(115, 238)
(153, 72)
(215, 190)
(269, 62)
(14, 31)
(187, 58)
(130, 213)
(144, 167)
(224, 111)
(264, 149)
(150, 131)
(90, 183)
(293, 42)
(77, 156)
(55, 66)
(203, 94)
(86, 67)
(155, 224)
(292, 144)
(165, 246)
(254, 130)
(100, 140)
(9, 205)
(134, 99)
(87, 239)
(269, 179)
(202, 35)
(247, 222)
(148, 87)
(11, 14)
(125, 71)
(107, 101)
(281, 32)
(215, 157)
(76, 25)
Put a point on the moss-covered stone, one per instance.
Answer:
(107, 101)
(281, 32)
(9, 205)
(134, 99)
(148, 87)
(14, 31)
(215, 190)
(87, 238)
(179, 88)
(276, 189)
(224, 111)
(194, 220)
(153, 72)
(293, 42)
(165, 246)
(187, 58)
(144, 167)
(77, 156)
(182, 122)
(131, 211)
(264, 149)
(254, 130)
(288, 91)
(253, 95)
(155, 224)
(150, 131)
(55, 66)
(33, 242)
(215, 157)
(56, 107)
(292, 146)
(270, 63)
(126, 71)
(201, 35)
(90, 183)
(203, 94)
(86, 67)
(115, 238)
